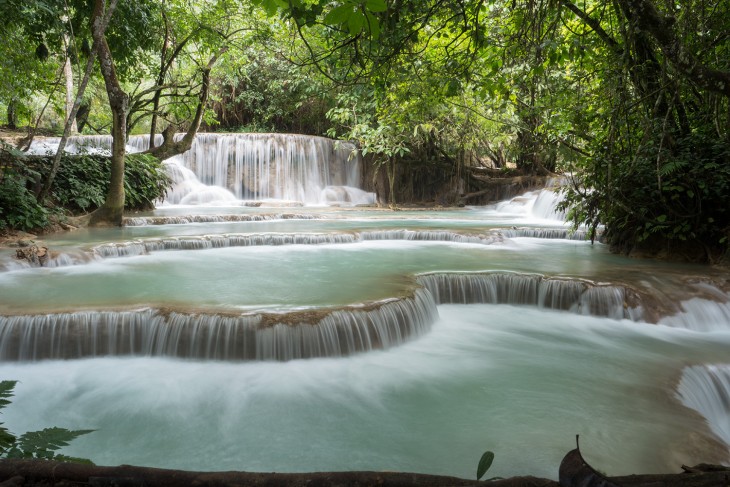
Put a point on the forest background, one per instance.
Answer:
(630, 99)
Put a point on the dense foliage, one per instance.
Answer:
(80, 187)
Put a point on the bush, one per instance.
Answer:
(79, 187)
(82, 182)
(19, 208)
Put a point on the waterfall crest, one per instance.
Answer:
(214, 336)
(574, 295)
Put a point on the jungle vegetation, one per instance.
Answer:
(629, 99)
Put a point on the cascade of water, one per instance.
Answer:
(550, 233)
(186, 219)
(276, 166)
(431, 235)
(252, 336)
(702, 314)
(576, 296)
(141, 247)
(534, 204)
(187, 189)
(706, 389)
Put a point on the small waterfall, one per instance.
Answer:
(431, 236)
(141, 247)
(706, 389)
(187, 219)
(254, 336)
(201, 242)
(534, 204)
(701, 314)
(545, 233)
(574, 295)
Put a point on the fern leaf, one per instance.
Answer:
(6, 391)
(42, 444)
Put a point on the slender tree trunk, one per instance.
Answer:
(160, 80)
(390, 171)
(69, 74)
(70, 122)
(111, 212)
(12, 115)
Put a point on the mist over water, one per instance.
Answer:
(533, 335)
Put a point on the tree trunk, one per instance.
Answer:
(169, 146)
(111, 212)
(390, 170)
(99, 24)
(69, 75)
(12, 115)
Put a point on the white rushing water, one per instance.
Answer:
(211, 335)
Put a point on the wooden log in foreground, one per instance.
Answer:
(50, 473)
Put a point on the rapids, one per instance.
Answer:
(229, 333)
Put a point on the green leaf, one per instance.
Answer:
(376, 5)
(6, 391)
(42, 444)
(355, 22)
(374, 25)
(484, 463)
(338, 15)
(7, 439)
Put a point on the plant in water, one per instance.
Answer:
(484, 463)
(42, 444)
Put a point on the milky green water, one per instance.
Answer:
(519, 381)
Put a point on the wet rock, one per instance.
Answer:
(35, 255)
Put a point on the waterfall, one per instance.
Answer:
(222, 168)
(574, 295)
(545, 233)
(706, 389)
(534, 204)
(301, 168)
(431, 236)
(701, 314)
(198, 335)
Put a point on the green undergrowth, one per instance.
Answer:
(79, 187)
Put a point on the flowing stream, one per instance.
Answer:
(269, 323)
